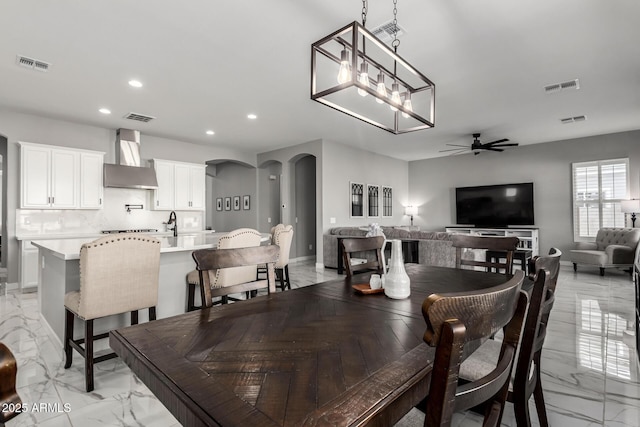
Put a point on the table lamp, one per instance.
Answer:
(411, 211)
(632, 207)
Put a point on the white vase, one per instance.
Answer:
(397, 284)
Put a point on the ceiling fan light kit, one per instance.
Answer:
(351, 63)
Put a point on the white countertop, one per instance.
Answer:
(69, 249)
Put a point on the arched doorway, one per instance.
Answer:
(303, 197)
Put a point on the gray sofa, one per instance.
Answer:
(614, 247)
(434, 248)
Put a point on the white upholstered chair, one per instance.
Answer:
(220, 278)
(282, 236)
(118, 274)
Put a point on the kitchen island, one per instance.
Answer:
(58, 273)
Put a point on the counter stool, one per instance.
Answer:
(118, 274)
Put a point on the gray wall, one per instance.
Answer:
(305, 206)
(23, 127)
(548, 166)
(268, 202)
(233, 179)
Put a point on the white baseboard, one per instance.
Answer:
(319, 266)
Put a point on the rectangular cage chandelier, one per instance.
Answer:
(351, 68)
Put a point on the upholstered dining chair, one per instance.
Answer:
(460, 319)
(492, 243)
(282, 237)
(215, 260)
(118, 274)
(368, 246)
(239, 238)
(526, 378)
(9, 400)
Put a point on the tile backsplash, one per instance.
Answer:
(112, 217)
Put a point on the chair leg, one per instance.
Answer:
(521, 410)
(538, 397)
(152, 313)
(134, 317)
(286, 274)
(68, 336)
(88, 350)
(280, 277)
(575, 267)
(191, 297)
(602, 271)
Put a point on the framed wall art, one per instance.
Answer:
(227, 203)
(236, 203)
(387, 201)
(373, 201)
(219, 204)
(356, 199)
(246, 203)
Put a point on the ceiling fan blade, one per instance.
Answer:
(454, 149)
(497, 142)
(493, 149)
(513, 144)
(457, 145)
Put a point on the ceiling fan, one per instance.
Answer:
(476, 146)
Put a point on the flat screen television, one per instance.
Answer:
(495, 205)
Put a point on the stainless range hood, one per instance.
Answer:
(127, 172)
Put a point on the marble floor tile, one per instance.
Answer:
(591, 375)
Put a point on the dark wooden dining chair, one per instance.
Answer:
(508, 245)
(367, 246)
(526, 379)
(457, 321)
(9, 400)
(210, 261)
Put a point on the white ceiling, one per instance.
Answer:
(206, 64)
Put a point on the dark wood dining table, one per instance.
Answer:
(314, 356)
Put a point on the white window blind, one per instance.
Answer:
(598, 189)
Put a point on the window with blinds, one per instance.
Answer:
(598, 189)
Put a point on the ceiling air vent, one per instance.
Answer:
(385, 31)
(573, 119)
(34, 64)
(139, 117)
(557, 87)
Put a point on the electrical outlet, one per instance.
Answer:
(310, 247)
(269, 220)
(332, 220)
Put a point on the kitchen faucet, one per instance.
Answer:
(173, 220)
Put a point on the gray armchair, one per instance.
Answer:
(614, 247)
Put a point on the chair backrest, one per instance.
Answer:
(282, 237)
(373, 245)
(240, 238)
(217, 259)
(551, 264)
(118, 273)
(9, 399)
(276, 228)
(456, 319)
(508, 245)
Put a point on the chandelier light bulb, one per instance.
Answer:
(381, 88)
(395, 96)
(344, 74)
(407, 105)
(363, 78)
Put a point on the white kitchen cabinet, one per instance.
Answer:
(181, 186)
(91, 188)
(59, 178)
(28, 266)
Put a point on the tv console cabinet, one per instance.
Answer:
(528, 236)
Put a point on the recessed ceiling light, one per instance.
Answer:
(135, 83)
(210, 132)
(252, 116)
(105, 111)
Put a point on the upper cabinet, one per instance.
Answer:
(59, 178)
(181, 186)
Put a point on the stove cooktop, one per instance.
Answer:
(136, 230)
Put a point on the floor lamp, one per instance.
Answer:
(632, 207)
